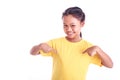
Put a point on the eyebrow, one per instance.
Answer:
(70, 23)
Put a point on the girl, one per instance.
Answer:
(72, 54)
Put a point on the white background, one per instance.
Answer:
(25, 23)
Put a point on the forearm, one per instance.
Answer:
(106, 60)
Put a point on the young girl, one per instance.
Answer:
(72, 54)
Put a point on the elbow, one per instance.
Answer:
(110, 65)
(35, 50)
(32, 53)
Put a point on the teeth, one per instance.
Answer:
(70, 33)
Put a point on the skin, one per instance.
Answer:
(106, 60)
(72, 27)
(43, 46)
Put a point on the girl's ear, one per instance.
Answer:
(82, 23)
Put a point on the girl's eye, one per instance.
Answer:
(72, 25)
(65, 26)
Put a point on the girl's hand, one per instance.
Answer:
(46, 48)
(35, 50)
(91, 50)
(43, 46)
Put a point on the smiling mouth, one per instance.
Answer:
(70, 33)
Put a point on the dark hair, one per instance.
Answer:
(75, 12)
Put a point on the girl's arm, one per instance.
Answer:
(43, 46)
(106, 60)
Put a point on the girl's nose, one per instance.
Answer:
(69, 29)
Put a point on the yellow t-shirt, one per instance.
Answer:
(69, 63)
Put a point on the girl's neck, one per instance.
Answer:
(74, 39)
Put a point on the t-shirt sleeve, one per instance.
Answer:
(96, 60)
(49, 53)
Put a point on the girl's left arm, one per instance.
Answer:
(106, 60)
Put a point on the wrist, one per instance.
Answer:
(40, 46)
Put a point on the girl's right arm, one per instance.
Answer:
(43, 46)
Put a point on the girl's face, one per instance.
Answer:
(72, 27)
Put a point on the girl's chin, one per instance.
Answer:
(70, 37)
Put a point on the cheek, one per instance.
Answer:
(77, 30)
(64, 30)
